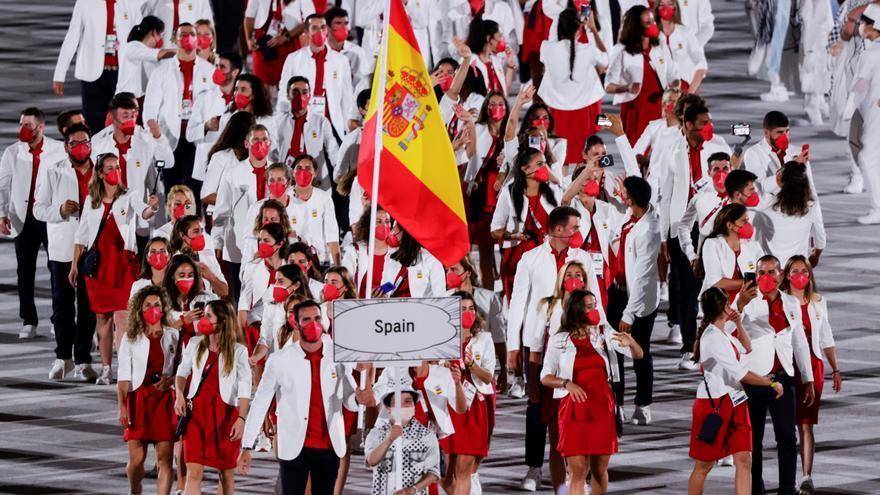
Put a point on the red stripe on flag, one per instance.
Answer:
(399, 22)
(412, 203)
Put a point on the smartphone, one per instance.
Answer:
(742, 129)
(585, 11)
(160, 164)
(199, 305)
(606, 161)
(805, 149)
(749, 278)
(602, 120)
(535, 142)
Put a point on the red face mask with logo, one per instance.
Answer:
(277, 189)
(799, 280)
(265, 250)
(242, 101)
(312, 331)
(496, 113)
(197, 242)
(184, 284)
(468, 318)
(204, 326)
(767, 283)
(572, 284)
(218, 77)
(330, 292)
(260, 150)
(279, 294)
(303, 177)
(152, 315)
(299, 103)
(453, 280)
(80, 152)
(158, 260)
(593, 317)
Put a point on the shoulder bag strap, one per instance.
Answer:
(711, 401)
(104, 222)
(205, 373)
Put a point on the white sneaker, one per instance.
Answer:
(687, 362)
(815, 116)
(806, 487)
(622, 415)
(52, 329)
(726, 461)
(532, 481)
(476, 488)
(60, 369)
(664, 291)
(106, 377)
(756, 59)
(642, 415)
(517, 389)
(674, 335)
(856, 185)
(263, 443)
(776, 94)
(27, 332)
(84, 373)
(871, 218)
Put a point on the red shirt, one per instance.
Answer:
(695, 166)
(82, 180)
(227, 97)
(317, 433)
(176, 22)
(737, 275)
(560, 257)
(779, 323)
(260, 174)
(111, 60)
(123, 164)
(186, 68)
(808, 327)
(537, 218)
(35, 169)
(493, 84)
(620, 258)
(378, 266)
(320, 58)
(271, 270)
(296, 144)
(320, 6)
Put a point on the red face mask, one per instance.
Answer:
(279, 294)
(265, 250)
(184, 284)
(591, 188)
(158, 260)
(593, 317)
(312, 331)
(291, 320)
(204, 326)
(304, 267)
(781, 141)
(542, 174)
(160, 43)
(767, 283)
(576, 240)
(496, 113)
(468, 318)
(80, 152)
(188, 42)
(500, 46)
(152, 315)
(204, 41)
(445, 83)
(26, 134)
(382, 232)
(667, 13)
(112, 177)
(453, 280)
(542, 122)
(330, 292)
(670, 108)
(572, 284)
(392, 241)
(197, 243)
(179, 211)
(127, 127)
(319, 38)
(260, 150)
(218, 77)
(718, 179)
(707, 132)
(652, 31)
(340, 34)
(277, 189)
(745, 231)
(303, 177)
(753, 200)
(241, 101)
(299, 103)
(799, 280)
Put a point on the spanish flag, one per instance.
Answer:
(418, 178)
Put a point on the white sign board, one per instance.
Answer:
(396, 331)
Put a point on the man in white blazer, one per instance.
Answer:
(535, 279)
(338, 23)
(176, 84)
(773, 320)
(329, 76)
(62, 187)
(99, 46)
(19, 174)
(310, 392)
(634, 294)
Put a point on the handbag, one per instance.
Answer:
(713, 422)
(92, 258)
(184, 420)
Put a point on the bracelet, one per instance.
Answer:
(565, 382)
(835, 371)
(242, 418)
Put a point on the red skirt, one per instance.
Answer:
(150, 415)
(471, 435)
(110, 289)
(270, 70)
(734, 436)
(588, 428)
(809, 415)
(576, 126)
(207, 436)
(251, 337)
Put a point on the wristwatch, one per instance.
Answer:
(565, 382)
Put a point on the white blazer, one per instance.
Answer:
(140, 161)
(163, 100)
(205, 109)
(133, 355)
(217, 167)
(535, 280)
(722, 369)
(87, 35)
(505, 216)
(317, 141)
(127, 209)
(702, 209)
(606, 219)
(187, 11)
(483, 351)
(427, 277)
(566, 89)
(760, 160)
(697, 16)
(287, 378)
(820, 327)
(649, 135)
(57, 183)
(356, 260)
(136, 67)
(496, 61)
(315, 221)
(235, 195)
(338, 87)
(561, 353)
(175, 315)
(16, 172)
(254, 282)
(642, 276)
(790, 343)
(687, 52)
(272, 321)
(233, 386)
(625, 69)
(719, 260)
(785, 236)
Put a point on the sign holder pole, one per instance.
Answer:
(398, 443)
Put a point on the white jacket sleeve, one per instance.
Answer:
(262, 400)
(47, 207)
(123, 370)
(826, 338)
(802, 353)
(70, 43)
(646, 250)
(630, 165)
(819, 236)
(551, 356)
(244, 377)
(6, 162)
(518, 299)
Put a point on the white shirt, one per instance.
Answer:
(314, 220)
(721, 366)
(785, 236)
(719, 260)
(642, 277)
(687, 52)
(567, 88)
(697, 16)
(426, 277)
(626, 69)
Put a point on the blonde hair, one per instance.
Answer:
(205, 22)
(227, 329)
(559, 292)
(169, 199)
(811, 292)
(273, 204)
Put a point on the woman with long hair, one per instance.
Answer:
(153, 266)
(411, 270)
(106, 249)
(719, 347)
(218, 397)
(520, 219)
(494, 62)
(729, 251)
(357, 259)
(206, 40)
(687, 52)
(179, 202)
(146, 374)
(537, 130)
(641, 69)
(571, 85)
(303, 255)
(312, 212)
(186, 296)
(290, 282)
(578, 365)
(230, 149)
(257, 276)
(188, 237)
(264, 212)
(338, 284)
(800, 282)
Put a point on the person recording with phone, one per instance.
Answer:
(728, 253)
(186, 295)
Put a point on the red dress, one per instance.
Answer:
(576, 126)
(647, 106)
(588, 428)
(805, 415)
(536, 228)
(207, 437)
(109, 290)
(151, 411)
(471, 435)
